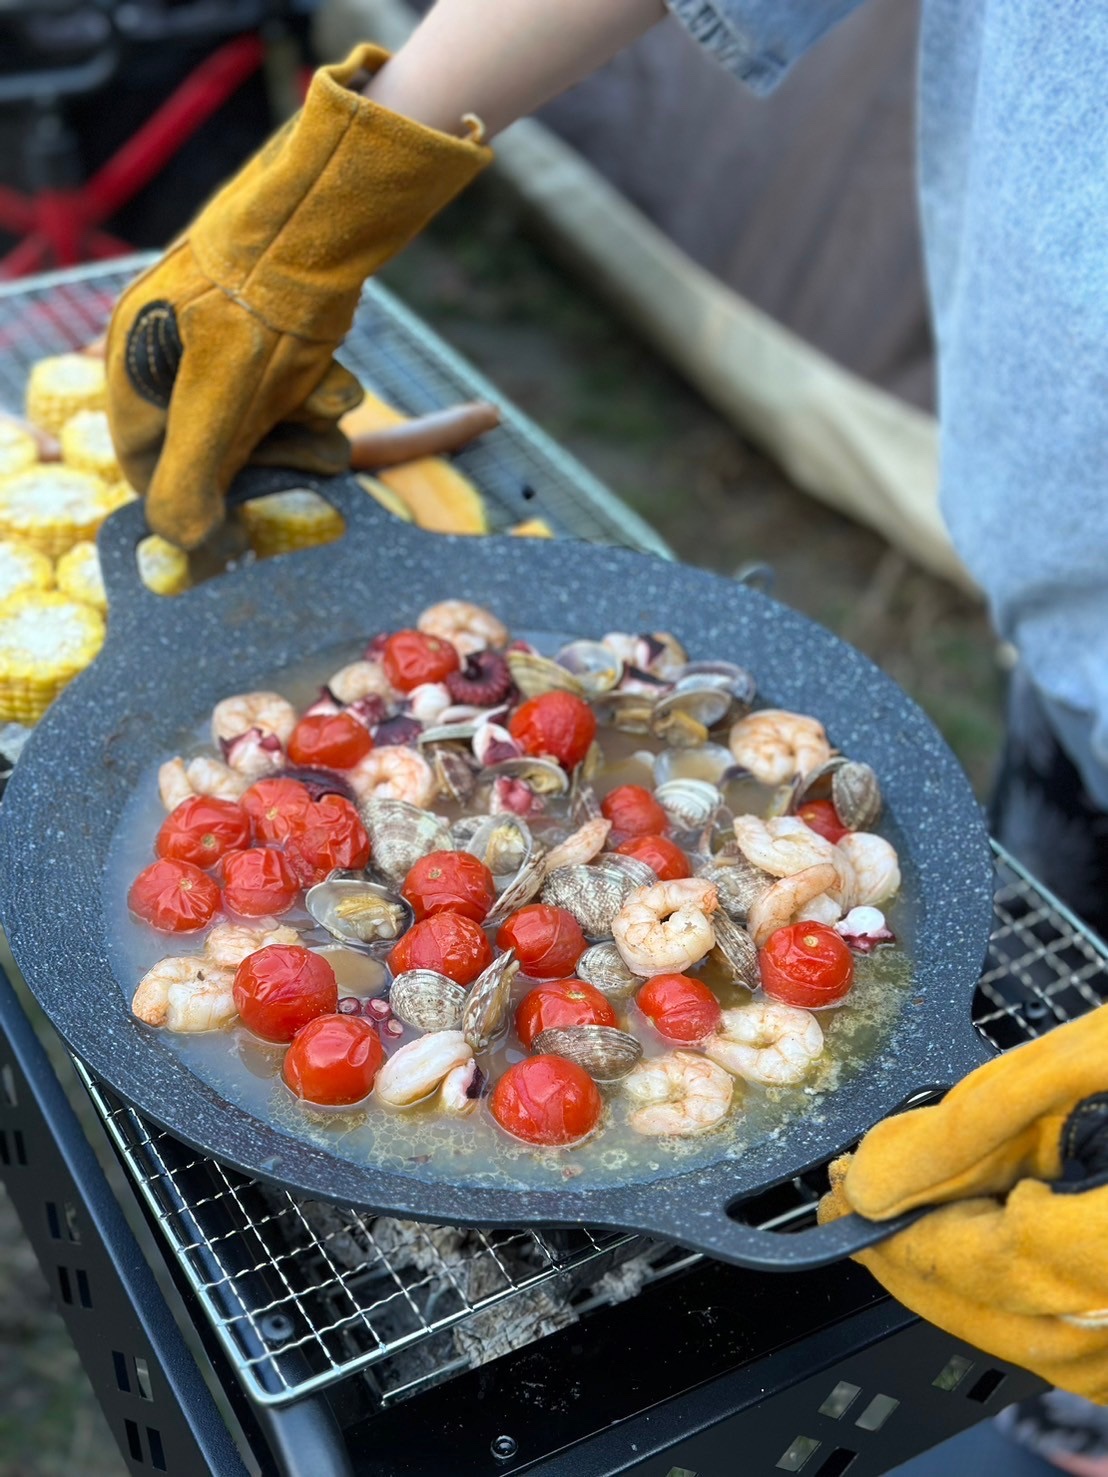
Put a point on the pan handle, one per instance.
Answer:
(128, 597)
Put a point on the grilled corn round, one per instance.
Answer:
(86, 444)
(285, 521)
(45, 640)
(17, 448)
(162, 566)
(61, 386)
(23, 568)
(79, 577)
(52, 507)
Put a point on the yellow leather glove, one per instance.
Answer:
(1016, 1259)
(222, 352)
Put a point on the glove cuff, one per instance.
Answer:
(336, 193)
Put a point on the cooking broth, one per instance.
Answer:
(429, 1145)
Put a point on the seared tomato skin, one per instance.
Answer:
(546, 1100)
(411, 658)
(333, 1060)
(259, 882)
(450, 882)
(332, 836)
(277, 808)
(680, 1008)
(174, 897)
(555, 723)
(329, 741)
(822, 817)
(447, 942)
(548, 941)
(281, 988)
(201, 830)
(562, 1003)
(660, 853)
(807, 965)
(633, 811)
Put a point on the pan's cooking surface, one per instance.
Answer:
(432, 1146)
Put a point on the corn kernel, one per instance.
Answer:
(61, 386)
(45, 640)
(285, 521)
(23, 568)
(86, 444)
(53, 507)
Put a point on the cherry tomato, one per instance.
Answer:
(282, 987)
(175, 897)
(562, 1003)
(632, 811)
(548, 941)
(556, 723)
(822, 817)
(680, 1008)
(331, 836)
(411, 658)
(806, 964)
(277, 808)
(259, 882)
(333, 1059)
(546, 1100)
(201, 829)
(659, 852)
(450, 882)
(329, 740)
(453, 945)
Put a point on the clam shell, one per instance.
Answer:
(584, 803)
(640, 874)
(684, 716)
(534, 675)
(449, 733)
(454, 770)
(735, 948)
(596, 667)
(401, 834)
(593, 893)
(543, 775)
(356, 911)
(737, 882)
(710, 762)
(602, 965)
(630, 712)
(427, 1000)
(689, 804)
(856, 795)
(605, 1052)
(728, 676)
(524, 886)
(486, 1006)
(504, 843)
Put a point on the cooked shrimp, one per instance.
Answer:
(361, 679)
(229, 944)
(466, 626)
(766, 1042)
(190, 994)
(681, 1093)
(178, 781)
(420, 1066)
(774, 745)
(585, 843)
(876, 868)
(666, 928)
(782, 845)
(783, 900)
(268, 711)
(393, 772)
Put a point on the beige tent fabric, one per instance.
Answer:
(855, 446)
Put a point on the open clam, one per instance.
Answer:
(735, 949)
(630, 712)
(525, 885)
(400, 834)
(358, 912)
(455, 771)
(684, 716)
(711, 763)
(593, 893)
(534, 674)
(544, 776)
(427, 1000)
(727, 676)
(487, 1001)
(606, 1053)
(602, 965)
(596, 667)
(689, 804)
(503, 842)
(738, 884)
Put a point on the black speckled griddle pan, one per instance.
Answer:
(167, 661)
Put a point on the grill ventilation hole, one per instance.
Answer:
(876, 1413)
(797, 1453)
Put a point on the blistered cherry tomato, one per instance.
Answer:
(632, 811)
(450, 882)
(175, 897)
(546, 1100)
(333, 1060)
(282, 987)
(411, 658)
(277, 808)
(806, 964)
(556, 723)
(548, 941)
(259, 882)
(453, 945)
(202, 829)
(331, 836)
(822, 817)
(660, 853)
(329, 740)
(681, 1009)
(562, 1003)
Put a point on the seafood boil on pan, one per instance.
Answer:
(491, 905)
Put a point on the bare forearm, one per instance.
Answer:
(502, 59)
